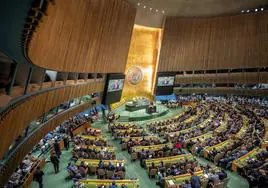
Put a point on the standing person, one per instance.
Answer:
(38, 176)
(195, 181)
(66, 142)
(71, 133)
(57, 148)
(103, 113)
(55, 161)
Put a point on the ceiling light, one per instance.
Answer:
(262, 9)
(139, 4)
(242, 11)
(163, 11)
(144, 7)
(256, 10)
(156, 10)
(151, 9)
(247, 10)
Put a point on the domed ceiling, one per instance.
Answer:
(156, 9)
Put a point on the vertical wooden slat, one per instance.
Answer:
(239, 41)
(84, 36)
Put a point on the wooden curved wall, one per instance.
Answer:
(241, 78)
(84, 36)
(34, 139)
(222, 91)
(13, 123)
(239, 41)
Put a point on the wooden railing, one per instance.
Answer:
(18, 116)
(26, 146)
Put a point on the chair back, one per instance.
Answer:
(101, 172)
(93, 169)
(121, 174)
(124, 146)
(134, 156)
(109, 174)
(153, 172)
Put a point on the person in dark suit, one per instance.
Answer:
(222, 175)
(38, 176)
(57, 148)
(55, 161)
(195, 181)
(66, 142)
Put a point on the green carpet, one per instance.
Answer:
(133, 169)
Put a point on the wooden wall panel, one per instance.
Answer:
(84, 36)
(241, 78)
(13, 124)
(34, 139)
(239, 41)
(221, 91)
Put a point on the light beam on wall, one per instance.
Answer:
(143, 56)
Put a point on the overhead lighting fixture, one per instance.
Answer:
(156, 10)
(247, 10)
(256, 10)
(262, 9)
(139, 4)
(144, 7)
(151, 9)
(163, 11)
(242, 11)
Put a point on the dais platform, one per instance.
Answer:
(140, 115)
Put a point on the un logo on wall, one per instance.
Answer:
(134, 75)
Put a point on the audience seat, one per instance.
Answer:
(152, 173)
(134, 156)
(101, 173)
(109, 174)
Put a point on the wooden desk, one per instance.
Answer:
(171, 160)
(151, 147)
(265, 142)
(95, 162)
(217, 146)
(93, 183)
(180, 179)
(128, 130)
(93, 137)
(97, 148)
(81, 128)
(153, 137)
(241, 162)
(243, 129)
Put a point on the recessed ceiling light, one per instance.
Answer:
(242, 11)
(144, 7)
(247, 10)
(139, 4)
(256, 10)
(156, 10)
(262, 9)
(151, 9)
(163, 11)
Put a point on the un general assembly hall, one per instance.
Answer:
(134, 94)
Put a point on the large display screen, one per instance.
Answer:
(115, 85)
(113, 88)
(165, 81)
